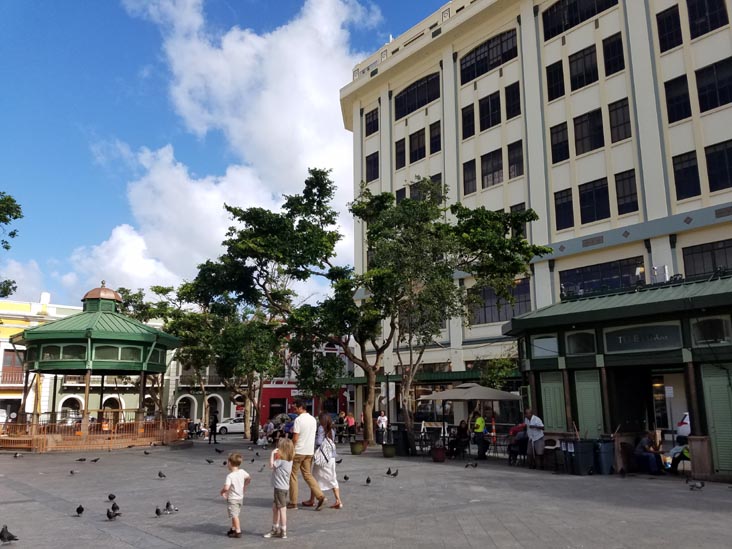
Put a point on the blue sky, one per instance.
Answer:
(126, 124)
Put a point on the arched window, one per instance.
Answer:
(417, 95)
(490, 55)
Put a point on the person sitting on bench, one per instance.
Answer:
(647, 455)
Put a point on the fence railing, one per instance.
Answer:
(11, 378)
(97, 380)
(208, 379)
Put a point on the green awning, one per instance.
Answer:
(672, 298)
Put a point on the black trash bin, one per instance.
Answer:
(401, 442)
(567, 447)
(604, 456)
(583, 461)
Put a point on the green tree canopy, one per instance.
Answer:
(10, 211)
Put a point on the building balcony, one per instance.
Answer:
(109, 381)
(192, 380)
(11, 378)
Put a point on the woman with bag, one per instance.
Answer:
(324, 466)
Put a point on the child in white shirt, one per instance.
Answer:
(236, 484)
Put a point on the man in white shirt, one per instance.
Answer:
(304, 429)
(381, 423)
(535, 433)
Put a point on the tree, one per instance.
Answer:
(10, 211)
(496, 371)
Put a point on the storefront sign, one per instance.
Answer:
(652, 337)
(669, 391)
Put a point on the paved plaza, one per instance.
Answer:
(427, 505)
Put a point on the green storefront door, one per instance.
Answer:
(589, 403)
(552, 401)
(717, 381)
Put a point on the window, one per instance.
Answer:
(469, 177)
(489, 111)
(711, 330)
(436, 178)
(554, 81)
(612, 49)
(719, 166)
(669, 29)
(583, 68)
(566, 14)
(515, 159)
(400, 155)
(624, 273)
(714, 84)
(705, 259)
(594, 201)
(513, 100)
(372, 167)
(493, 309)
(417, 95)
(74, 352)
(516, 209)
(686, 176)
(131, 354)
(401, 194)
(563, 209)
(491, 168)
(706, 15)
(417, 150)
(619, 120)
(468, 121)
(371, 122)
(588, 134)
(435, 137)
(106, 352)
(560, 143)
(490, 55)
(51, 352)
(580, 343)
(626, 192)
(677, 99)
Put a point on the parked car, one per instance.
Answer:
(231, 425)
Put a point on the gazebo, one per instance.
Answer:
(98, 341)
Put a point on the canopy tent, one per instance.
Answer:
(471, 391)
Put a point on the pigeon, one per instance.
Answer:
(17, 455)
(158, 512)
(218, 450)
(339, 461)
(81, 459)
(368, 481)
(474, 464)
(695, 484)
(115, 507)
(256, 454)
(161, 475)
(396, 472)
(168, 507)
(146, 452)
(94, 460)
(6, 536)
(345, 478)
(224, 464)
(131, 446)
(388, 471)
(209, 461)
(261, 468)
(252, 461)
(79, 510)
(111, 497)
(250, 448)
(467, 465)
(111, 515)
(72, 472)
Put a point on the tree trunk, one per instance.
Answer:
(368, 406)
(247, 419)
(202, 384)
(408, 413)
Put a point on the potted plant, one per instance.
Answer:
(389, 450)
(438, 451)
(357, 447)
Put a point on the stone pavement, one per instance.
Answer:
(427, 505)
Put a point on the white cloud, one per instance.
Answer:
(28, 277)
(274, 96)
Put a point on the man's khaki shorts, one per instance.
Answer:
(234, 507)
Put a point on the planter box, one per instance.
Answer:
(389, 450)
(356, 447)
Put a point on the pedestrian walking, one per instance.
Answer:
(213, 426)
(304, 429)
(236, 484)
(535, 432)
(324, 468)
(280, 461)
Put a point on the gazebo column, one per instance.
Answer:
(53, 398)
(85, 414)
(141, 404)
(101, 394)
(37, 405)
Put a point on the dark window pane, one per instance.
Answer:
(565, 14)
(588, 134)
(469, 177)
(513, 100)
(560, 143)
(491, 168)
(714, 84)
(619, 120)
(612, 48)
(417, 150)
(594, 201)
(371, 121)
(613, 275)
(401, 194)
(686, 176)
(706, 15)
(492, 309)
(372, 166)
(719, 165)
(515, 159)
(435, 137)
(468, 121)
(518, 208)
(563, 209)
(400, 155)
(583, 68)
(417, 95)
(705, 259)
(625, 190)
(489, 111)
(669, 29)
(490, 55)
(554, 81)
(678, 106)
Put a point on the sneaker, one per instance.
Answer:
(272, 534)
(292, 506)
(282, 535)
(231, 531)
(234, 534)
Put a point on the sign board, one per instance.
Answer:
(239, 408)
(296, 392)
(651, 337)
(669, 391)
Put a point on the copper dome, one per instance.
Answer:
(102, 293)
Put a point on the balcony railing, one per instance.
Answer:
(97, 380)
(11, 378)
(192, 380)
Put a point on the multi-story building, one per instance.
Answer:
(611, 119)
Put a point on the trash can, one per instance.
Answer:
(401, 442)
(583, 461)
(567, 448)
(604, 456)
